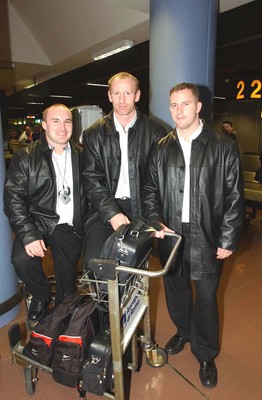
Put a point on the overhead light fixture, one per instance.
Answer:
(97, 84)
(113, 49)
(60, 96)
(15, 108)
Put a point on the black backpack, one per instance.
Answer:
(71, 346)
(40, 346)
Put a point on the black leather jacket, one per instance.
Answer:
(102, 160)
(216, 195)
(30, 192)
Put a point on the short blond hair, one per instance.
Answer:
(58, 105)
(123, 75)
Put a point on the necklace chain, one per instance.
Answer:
(63, 177)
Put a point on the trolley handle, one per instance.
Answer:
(161, 272)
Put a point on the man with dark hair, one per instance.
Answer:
(42, 201)
(194, 186)
(228, 129)
(116, 149)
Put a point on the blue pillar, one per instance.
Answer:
(9, 288)
(182, 49)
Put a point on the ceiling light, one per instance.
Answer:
(97, 84)
(61, 96)
(15, 108)
(113, 49)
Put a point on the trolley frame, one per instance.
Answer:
(124, 320)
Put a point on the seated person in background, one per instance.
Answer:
(22, 137)
(27, 135)
(42, 201)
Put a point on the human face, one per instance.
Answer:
(226, 128)
(123, 95)
(184, 108)
(58, 127)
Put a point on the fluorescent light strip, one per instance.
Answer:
(15, 108)
(114, 49)
(33, 102)
(97, 84)
(60, 96)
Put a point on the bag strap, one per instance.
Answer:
(122, 231)
(140, 222)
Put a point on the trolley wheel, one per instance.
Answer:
(156, 358)
(30, 378)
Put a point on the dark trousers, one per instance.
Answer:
(196, 317)
(97, 233)
(66, 249)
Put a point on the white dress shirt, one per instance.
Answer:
(186, 147)
(123, 188)
(64, 179)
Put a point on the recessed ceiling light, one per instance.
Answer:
(113, 49)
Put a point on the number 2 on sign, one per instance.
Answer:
(256, 84)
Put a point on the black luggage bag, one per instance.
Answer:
(130, 245)
(97, 373)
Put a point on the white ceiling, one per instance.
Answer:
(43, 39)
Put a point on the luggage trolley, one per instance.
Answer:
(128, 305)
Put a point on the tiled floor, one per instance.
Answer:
(239, 362)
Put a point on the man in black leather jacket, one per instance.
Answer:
(194, 186)
(116, 149)
(42, 201)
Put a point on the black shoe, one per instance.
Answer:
(37, 309)
(175, 344)
(208, 374)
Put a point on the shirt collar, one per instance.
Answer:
(67, 147)
(119, 126)
(194, 134)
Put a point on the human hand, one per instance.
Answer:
(118, 219)
(161, 234)
(36, 248)
(223, 253)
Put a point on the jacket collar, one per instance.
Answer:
(44, 146)
(203, 136)
(110, 121)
